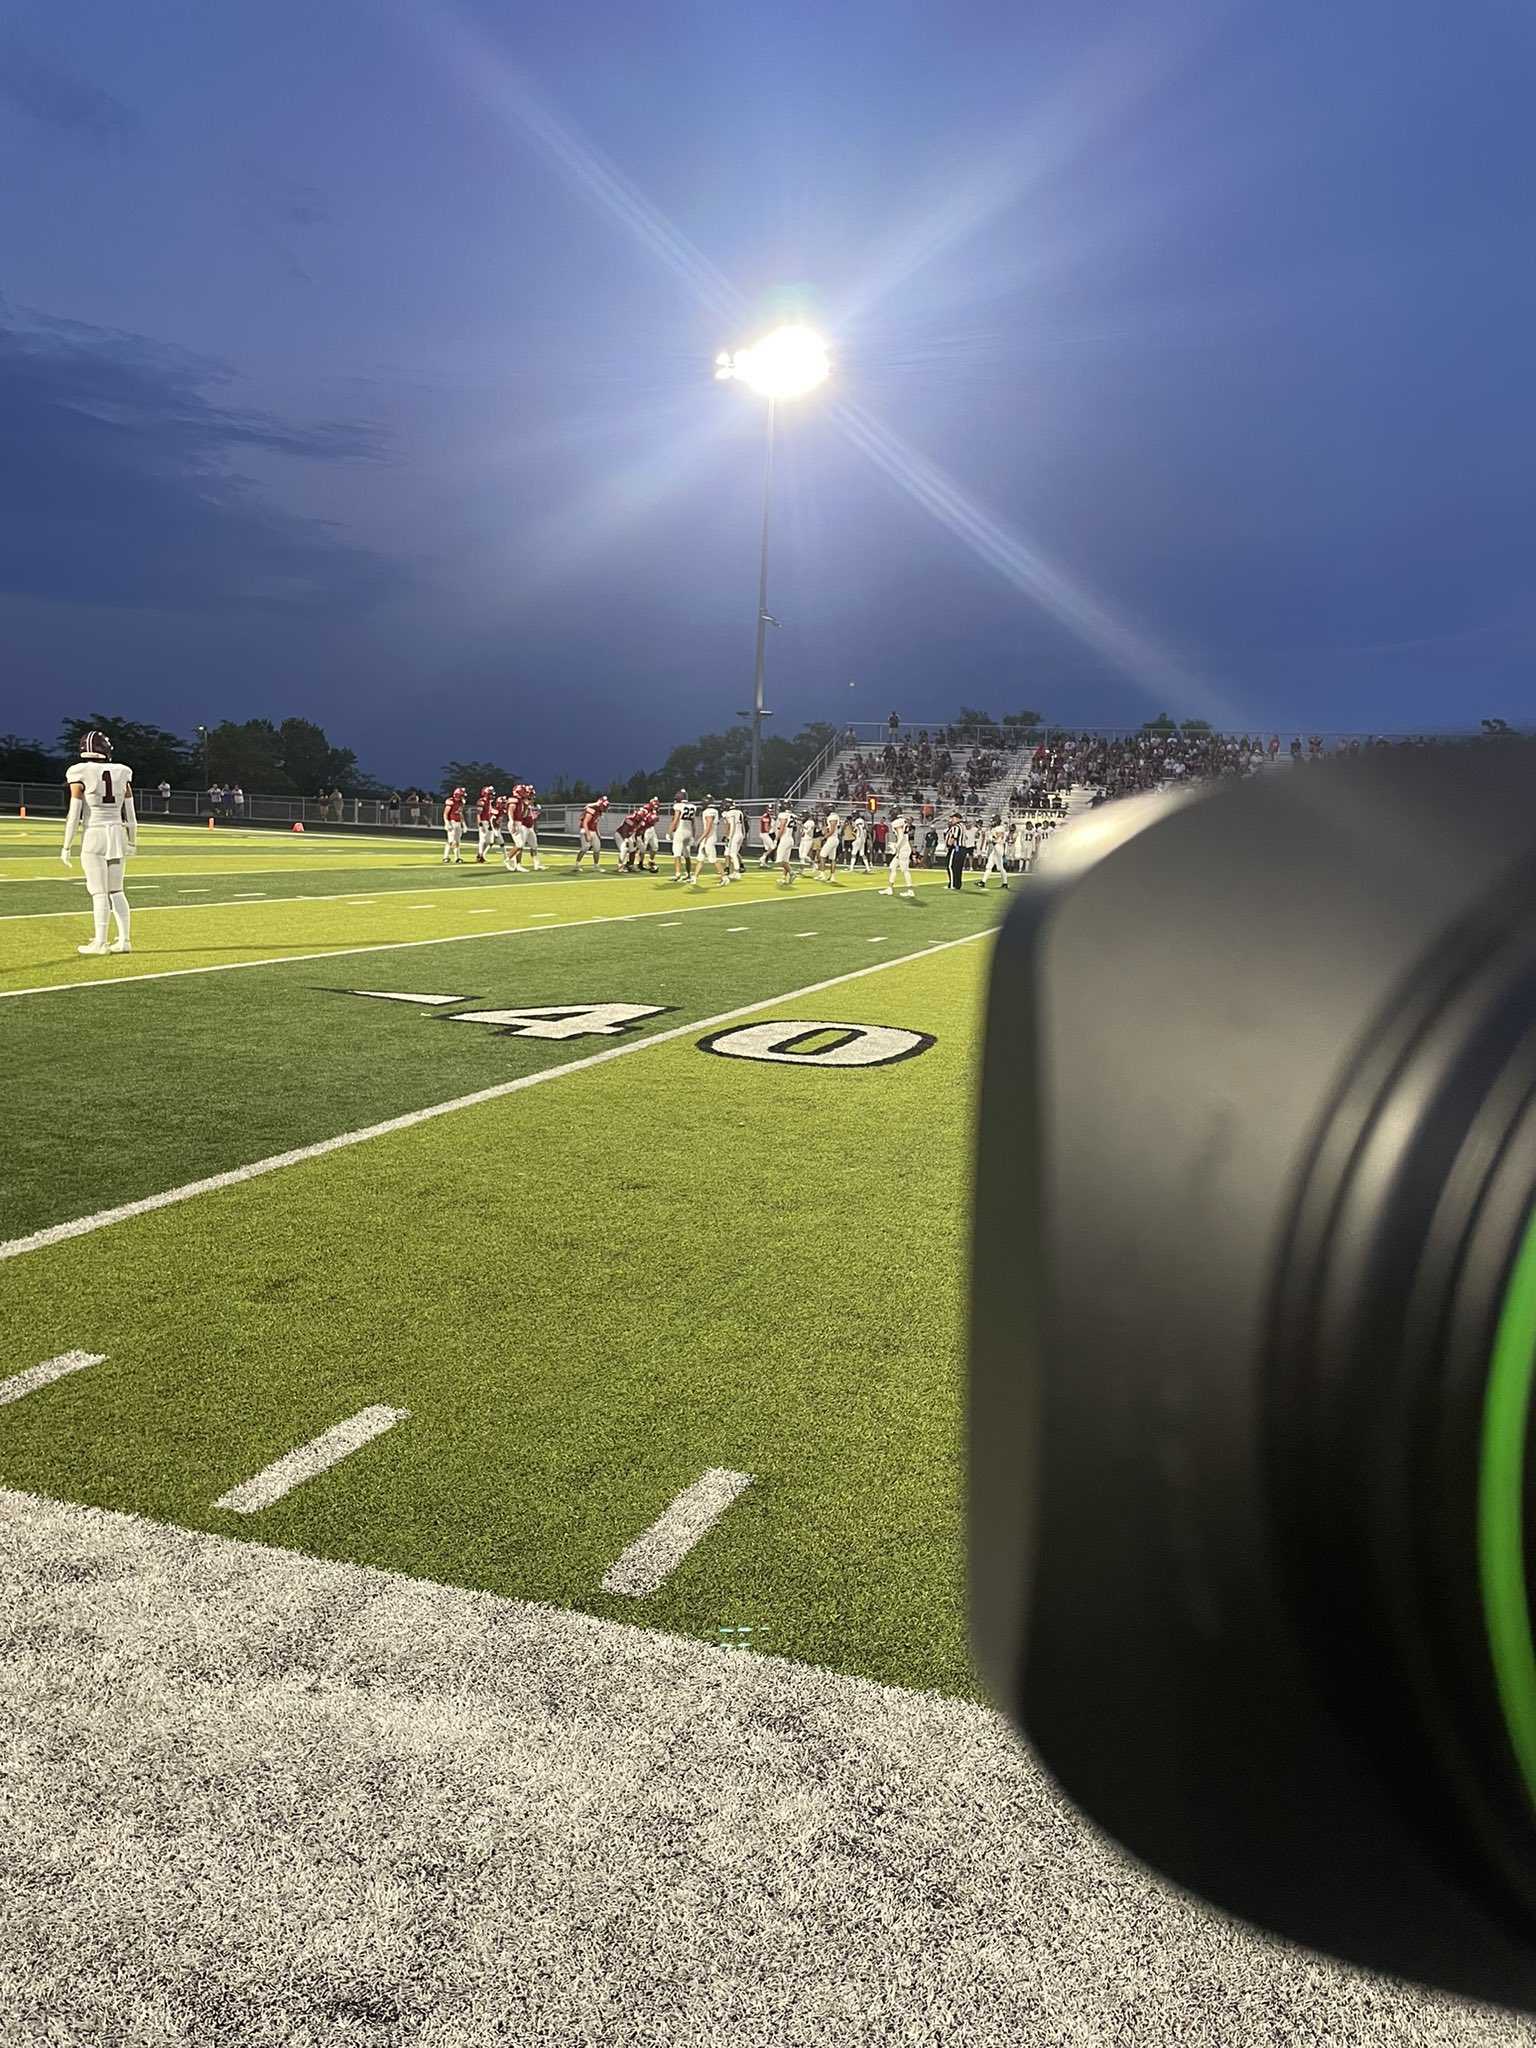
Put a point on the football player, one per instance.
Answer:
(453, 828)
(682, 836)
(590, 840)
(709, 849)
(1020, 843)
(525, 822)
(996, 842)
(735, 824)
(765, 826)
(901, 857)
(485, 809)
(784, 845)
(101, 792)
(859, 851)
(627, 840)
(650, 843)
(826, 864)
(501, 826)
(808, 842)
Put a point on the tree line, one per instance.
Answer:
(291, 758)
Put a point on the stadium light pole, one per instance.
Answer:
(785, 364)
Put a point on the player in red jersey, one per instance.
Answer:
(590, 840)
(525, 818)
(501, 824)
(453, 827)
(650, 840)
(485, 811)
(627, 839)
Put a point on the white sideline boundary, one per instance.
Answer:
(511, 931)
(83, 1226)
(337, 896)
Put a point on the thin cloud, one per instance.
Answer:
(46, 92)
(118, 488)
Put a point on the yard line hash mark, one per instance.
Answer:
(653, 1557)
(310, 1460)
(45, 1374)
(83, 1226)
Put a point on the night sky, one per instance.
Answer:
(356, 363)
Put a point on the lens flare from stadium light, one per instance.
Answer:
(785, 364)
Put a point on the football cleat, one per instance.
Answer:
(96, 948)
(119, 946)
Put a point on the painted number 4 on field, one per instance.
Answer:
(538, 1020)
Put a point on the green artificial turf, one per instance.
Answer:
(586, 1293)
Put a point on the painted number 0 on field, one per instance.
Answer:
(845, 1045)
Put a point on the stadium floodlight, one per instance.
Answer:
(785, 364)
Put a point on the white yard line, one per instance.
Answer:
(310, 1460)
(83, 1226)
(341, 896)
(53, 988)
(658, 1553)
(45, 1374)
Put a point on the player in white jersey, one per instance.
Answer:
(995, 839)
(784, 844)
(900, 865)
(735, 823)
(101, 793)
(1020, 843)
(709, 850)
(826, 863)
(808, 843)
(682, 837)
(859, 851)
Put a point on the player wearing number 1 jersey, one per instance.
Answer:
(101, 792)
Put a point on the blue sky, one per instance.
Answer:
(355, 363)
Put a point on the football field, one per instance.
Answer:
(590, 1254)
(482, 1481)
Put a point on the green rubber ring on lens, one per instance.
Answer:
(1501, 1509)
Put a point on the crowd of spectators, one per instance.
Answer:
(1109, 764)
(913, 768)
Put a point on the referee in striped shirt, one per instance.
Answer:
(954, 850)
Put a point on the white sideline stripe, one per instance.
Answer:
(45, 1374)
(510, 931)
(339, 896)
(310, 1460)
(82, 1226)
(658, 1553)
